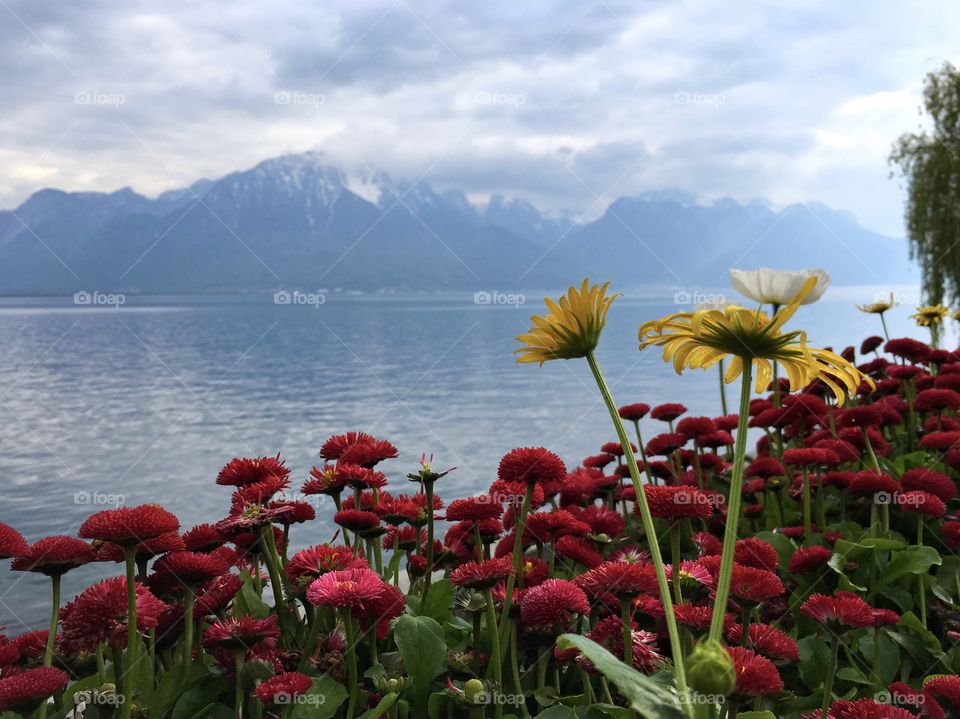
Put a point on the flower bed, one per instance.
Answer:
(813, 576)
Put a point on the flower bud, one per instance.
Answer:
(710, 669)
(472, 688)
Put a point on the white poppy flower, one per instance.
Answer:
(778, 287)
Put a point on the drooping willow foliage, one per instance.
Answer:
(930, 162)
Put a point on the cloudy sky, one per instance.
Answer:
(568, 103)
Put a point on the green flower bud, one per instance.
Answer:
(472, 688)
(710, 669)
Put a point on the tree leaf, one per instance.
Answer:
(909, 560)
(645, 695)
(321, 700)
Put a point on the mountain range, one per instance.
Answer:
(298, 222)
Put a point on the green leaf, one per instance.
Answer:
(198, 699)
(381, 708)
(645, 695)
(945, 587)
(756, 715)
(838, 563)
(321, 700)
(247, 603)
(814, 658)
(909, 560)
(438, 603)
(424, 651)
(889, 660)
(557, 711)
(782, 544)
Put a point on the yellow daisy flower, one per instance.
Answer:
(877, 308)
(701, 339)
(571, 328)
(930, 315)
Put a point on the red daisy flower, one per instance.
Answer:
(634, 412)
(601, 519)
(673, 503)
(809, 559)
(216, 595)
(23, 693)
(283, 688)
(324, 480)
(907, 348)
(598, 461)
(864, 416)
(945, 687)
(766, 640)
(667, 412)
(240, 632)
(884, 617)
(707, 543)
(696, 617)
(616, 449)
(191, 568)
(128, 526)
(936, 400)
(929, 480)
(482, 575)
(844, 450)
(862, 709)
(868, 482)
(920, 502)
(696, 427)
(870, 344)
(474, 509)
(619, 579)
(756, 675)
(665, 444)
(531, 465)
(608, 633)
(765, 467)
(302, 511)
(382, 610)
(545, 527)
(32, 644)
(553, 602)
(336, 445)
(99, 614)
(840, 612)
(754, 585)
(810, 457)
(951, 533)
(346, 588)
(753, 552)
(203, 538)
(53, 556)
(308, 564)
(358, 477)
(579, 550)
(169, 542)
(356, 520)
(12, 543)
(240, 472)
(942, 441)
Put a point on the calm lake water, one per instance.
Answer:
(147, 401)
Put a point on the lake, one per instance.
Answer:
(145, 401)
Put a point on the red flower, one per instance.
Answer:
(382, 610)
(695, 427)
(929, 480)
(608, 633)
(756, 675)
(634, 412)
(99, 614)
(673, 503)
(545, 527)
(620, 579)
(843, 449)
(553, 602)
(25, 692)
(356, 520)
(693, 616)
(240, 472)
(474, 509)
(368, 454)
(707, 543)
(346, 588)
(203, 538)
(323, 480)
(665, 444)
(753, 552)
(308, 564)
(840, 612)
(862, 709)
(942, 441)
(128, 526)
(810, 457)
(216, 595)
(616, 449)
(302, 511)
(531, 465)
(865, 416)
(766, 640)
(358, 477)
(920, 502)
(579, 550)
(334, 447)
(12, 543)
(936, 400)
(946, 687)
(868, 483)
(601, 519)
(191, 568)
(754, 585)
(910, 349)
(598, 461)
(169, 542)
(809, 559)
(951, 533)
(240, 632)
(283, 688)
(482, 575)
(870, 344)
(53, 556)
(667, 412)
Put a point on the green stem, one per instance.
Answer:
(626, 617)
(807, 519)
(723, 389)
(238, 683)
(828, 682)
(351, 663)
(515, 666)
(648, 526)
(517, 574)
(733, 507)
(428, 492)
(125, 708)
(675, 560)
(495, 660)
(269, 546)
(922, 588)
(187, 630)
(52, 635)
(886, 335)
